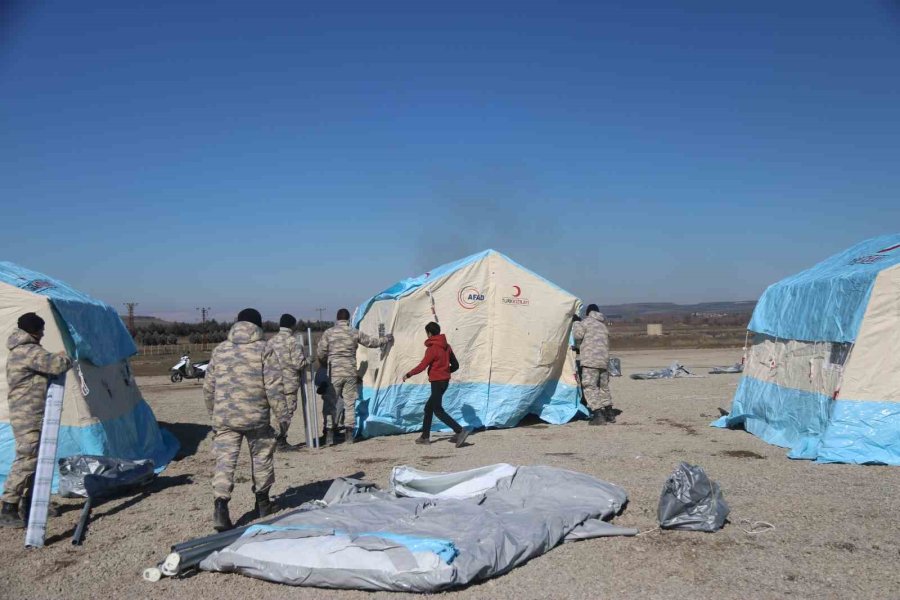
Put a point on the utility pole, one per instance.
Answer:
(131, 306)
(320, 311)
(203, 312)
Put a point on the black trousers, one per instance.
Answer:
(434, 408)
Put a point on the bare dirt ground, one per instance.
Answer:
(835, 535)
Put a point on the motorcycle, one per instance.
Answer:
(181, 371)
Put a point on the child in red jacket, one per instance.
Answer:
(438, 362)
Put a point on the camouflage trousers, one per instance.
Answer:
(291, 403)
(227, 447)
(331, 407)
(290, 399)
(595, 383)
(21, 473)
(347, 388)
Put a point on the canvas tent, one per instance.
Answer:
(103, 410)
(822, 376)
(508, 327)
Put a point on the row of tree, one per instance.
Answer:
(162, 334)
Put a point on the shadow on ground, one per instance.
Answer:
(189, 435)
(106, 507)
(293, 497)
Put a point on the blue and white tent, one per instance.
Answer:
(822, 376)
(112, 418)
(509, 328)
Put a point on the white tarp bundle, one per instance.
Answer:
(460, 528)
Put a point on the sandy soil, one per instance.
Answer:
(835, 532)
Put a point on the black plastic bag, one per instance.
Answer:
(690, 501)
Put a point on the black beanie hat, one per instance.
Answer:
(251, 315)
(31, 323)
(592, 308)
(287, 321)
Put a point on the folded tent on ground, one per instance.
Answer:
(103, 410)
(508, 327)
(822, 375)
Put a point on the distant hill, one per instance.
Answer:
(143, 320)
(664, 310)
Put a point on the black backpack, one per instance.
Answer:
(454, 364)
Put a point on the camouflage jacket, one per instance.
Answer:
(243, 381)
(292, 357)
(592, 340)
(338, 345)
(28, 371)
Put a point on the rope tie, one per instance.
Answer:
(85, 390)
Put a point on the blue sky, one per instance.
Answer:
(294, 155)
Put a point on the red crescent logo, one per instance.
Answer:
(518, 291)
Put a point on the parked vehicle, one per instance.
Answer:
(185, 369)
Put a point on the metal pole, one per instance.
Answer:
(312, 389)
(307, 424)
(78, 537)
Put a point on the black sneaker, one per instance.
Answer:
(423, 440)
(461, 437)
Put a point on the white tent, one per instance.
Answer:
(822, 376)
(509, 328)
(103, 410)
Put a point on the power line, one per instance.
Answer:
(131, 306)
(203, 312)
(321, 311)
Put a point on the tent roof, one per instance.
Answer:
(95, 328)
(826, 302)
(410, 284)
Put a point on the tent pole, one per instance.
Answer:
(312, 391)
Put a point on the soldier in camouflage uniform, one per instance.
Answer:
(337, 349)
(28, 371)
(243, 386)
(288, 348)
(592, 340)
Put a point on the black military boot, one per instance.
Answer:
(282, 445)
(598, 417)
(264, 506)
(9, 516)
(221, 519)
(610, 414)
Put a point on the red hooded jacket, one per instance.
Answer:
(437, 359)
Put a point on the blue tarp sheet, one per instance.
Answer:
(399, 408)
(95, 328)
(826, 302)
(814, 427)
(782, 416)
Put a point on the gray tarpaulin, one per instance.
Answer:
(735, 368)
(676, 369)
(615, 367)
(459, 528)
